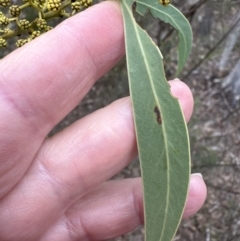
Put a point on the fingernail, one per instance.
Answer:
(197, 174)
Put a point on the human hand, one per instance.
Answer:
(56, 188)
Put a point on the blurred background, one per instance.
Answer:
(213, 74)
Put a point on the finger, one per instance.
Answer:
(57, 178)
(69, 165)
(197, 194)
(42, 81)
(104, 141)
(180, 90)
(114, 209)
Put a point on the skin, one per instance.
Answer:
(56, 188)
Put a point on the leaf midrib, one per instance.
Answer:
(163, 125)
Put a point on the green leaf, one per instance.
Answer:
(175, 18)
(161, 131)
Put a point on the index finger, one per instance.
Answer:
(44, 80)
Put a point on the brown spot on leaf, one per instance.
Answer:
(158, 115)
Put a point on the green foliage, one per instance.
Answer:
(162, 134)
(175, 18)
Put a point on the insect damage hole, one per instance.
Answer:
(158, 115)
